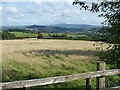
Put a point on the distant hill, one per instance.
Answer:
(64, 28)
(52, 29)
(77, 26)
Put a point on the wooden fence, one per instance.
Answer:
(99, 74)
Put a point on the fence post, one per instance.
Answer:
(100, 81)
(88, 84)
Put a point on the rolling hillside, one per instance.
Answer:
(64, 28)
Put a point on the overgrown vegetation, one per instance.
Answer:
(111, 12)
(7, 36)
(111, 30)
(68, 36)
(16, 35)
(41, 58)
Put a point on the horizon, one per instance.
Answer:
(50, 25)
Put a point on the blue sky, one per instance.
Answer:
(46, 13)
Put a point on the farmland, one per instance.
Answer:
(6, 35)
(23, 35)
(20, 35)
(39, 58)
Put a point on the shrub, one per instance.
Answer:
(7, 35)
(39, 36)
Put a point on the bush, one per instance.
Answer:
(7, 35)
(39, 36)
(58, 35)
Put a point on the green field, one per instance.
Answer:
(67, 36)
(24, 35)
(77, 35)
(20, 35)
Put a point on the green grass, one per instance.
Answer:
(24, 35)
(50, 66)
(77, 36)
(76, 84)
(32, 59)
(68, 35)
(20, 35)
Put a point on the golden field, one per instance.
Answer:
(38, 58)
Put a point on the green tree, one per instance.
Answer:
(111, 31)
(111, 28)
(40, 35)
(6, 35)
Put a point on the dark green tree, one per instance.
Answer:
(111, 31)
(6, 35)
(111, 28)
(40, 35)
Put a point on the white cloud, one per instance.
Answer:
(66, 13)
(70, 12)
(16, 0)
(54, 18)
(21, 15)
(12, 9)
(13, 12)
(38, 1)
(51, 12)
(70, 1)
(0, 8)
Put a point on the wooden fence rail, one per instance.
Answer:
(100, 83)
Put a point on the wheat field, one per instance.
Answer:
(38, 58)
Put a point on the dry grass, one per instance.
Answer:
(32, 58)
(34, 44)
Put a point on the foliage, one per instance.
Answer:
(6, 35)
(39, 36)
(20, 30)
(110, 31)
(111, 12)
(16, 35)
(70, 36)
(112, 81)
(112, 56)
(58, 35)
(20, 35)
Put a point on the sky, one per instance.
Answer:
(47, 12)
